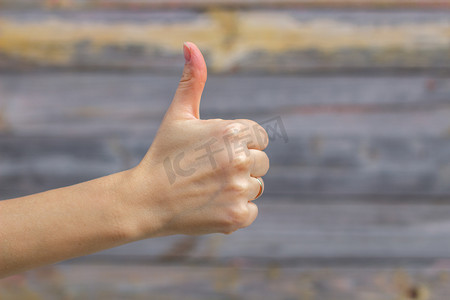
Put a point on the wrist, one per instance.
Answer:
(140, 208)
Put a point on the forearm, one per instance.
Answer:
(64, 223)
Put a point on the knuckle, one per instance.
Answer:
(241, 162)
(260, 134)
(187, 77)
(216, 121)
(239, 187)
(238, 214)
(228, 227)
(233, 128)
(236, 217)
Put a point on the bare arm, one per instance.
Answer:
(198, 177)
(63, 223)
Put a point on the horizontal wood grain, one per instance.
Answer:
(292, 234)
(356, 204)
(362, 180)
(205, 4)
(111, 103)
(243, 41)
(236, 280)
(385, 136)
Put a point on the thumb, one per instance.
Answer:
(186, 102)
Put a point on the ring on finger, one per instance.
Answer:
(261, 188)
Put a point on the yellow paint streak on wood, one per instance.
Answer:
(226, 35)
(55, 41)
(330, 36)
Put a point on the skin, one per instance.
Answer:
(201, 196)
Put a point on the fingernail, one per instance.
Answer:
(187, 52)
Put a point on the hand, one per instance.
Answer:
(199, 176)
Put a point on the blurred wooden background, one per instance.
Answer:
(356, 203)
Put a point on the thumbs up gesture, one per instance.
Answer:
(199, 176)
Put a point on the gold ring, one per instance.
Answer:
(261, 188)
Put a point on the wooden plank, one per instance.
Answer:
(98, 103)
(342, 167)
(255, 41)
(234, 281)
(38, 163)
(292, 234)
(385, 136)
(208, 4)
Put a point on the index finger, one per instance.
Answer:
(255, 135)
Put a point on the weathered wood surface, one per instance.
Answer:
(347, 136)
(290, 234)
(234, 281)
(248, 41)
(361, 182)
(241, 4)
